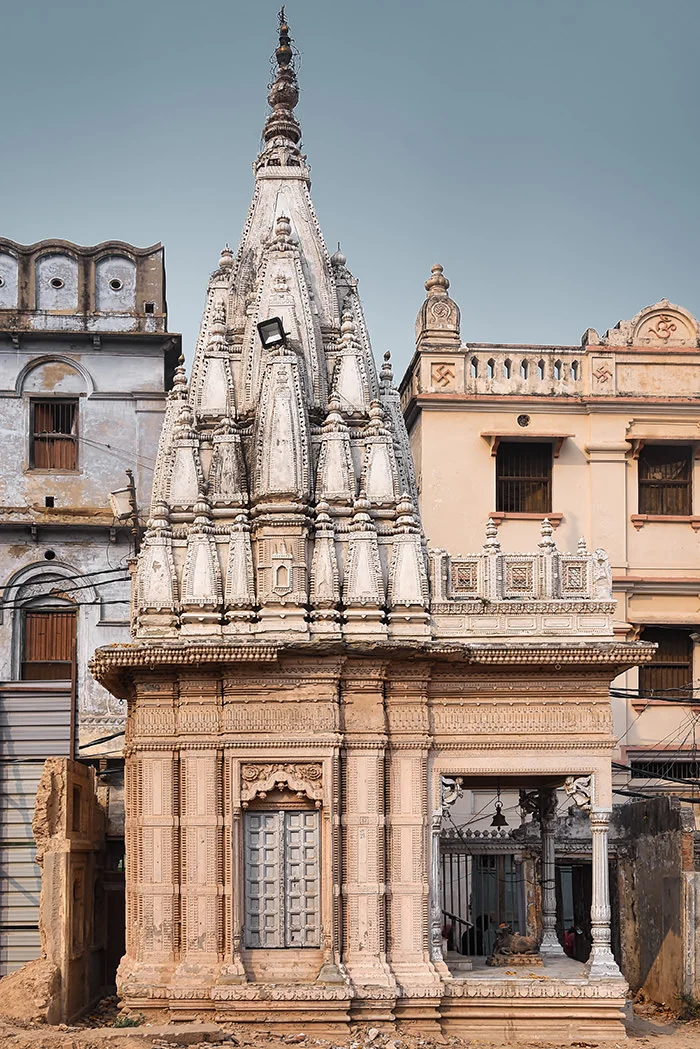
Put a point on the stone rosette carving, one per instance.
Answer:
(303, 778)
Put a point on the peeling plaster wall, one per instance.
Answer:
(119, 388)
(657, 928)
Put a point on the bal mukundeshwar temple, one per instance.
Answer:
(310, 686)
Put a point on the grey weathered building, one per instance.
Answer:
(85, 359)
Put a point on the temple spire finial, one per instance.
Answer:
(284, 91)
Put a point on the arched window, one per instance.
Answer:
(523, 369)
(574, 370)
(557, 370)
(474, 367)
(507, 365)
(44, 619)
(490, 368)
(540, 369)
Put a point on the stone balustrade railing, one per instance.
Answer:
(522, 370)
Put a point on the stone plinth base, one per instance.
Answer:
(509, 961)
(532, 1019)
(559, 1003)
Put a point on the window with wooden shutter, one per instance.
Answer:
(282, 878)
(54, 438)
(665, 479)
(524, 477)
(48, 646)
(672, 666)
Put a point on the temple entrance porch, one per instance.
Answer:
(494, 872)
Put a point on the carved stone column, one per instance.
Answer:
(601, 963)
(450, 792)
(435, 904)
(548, 820)
(151, 833)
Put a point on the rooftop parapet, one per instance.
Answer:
(545, 594)
(57, 286)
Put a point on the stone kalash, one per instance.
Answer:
(304, 672)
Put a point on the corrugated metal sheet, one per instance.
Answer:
(35, 719)
(34, 724)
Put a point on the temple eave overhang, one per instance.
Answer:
(117, 662)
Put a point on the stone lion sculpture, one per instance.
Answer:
(509, 943)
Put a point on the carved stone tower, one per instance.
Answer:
(293, 460)
(303, 675)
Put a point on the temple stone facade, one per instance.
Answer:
(309, 688)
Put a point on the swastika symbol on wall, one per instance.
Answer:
(443, 375)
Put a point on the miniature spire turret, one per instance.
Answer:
(437, 323)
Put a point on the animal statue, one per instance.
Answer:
(509, 943)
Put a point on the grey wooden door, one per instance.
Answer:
(282, 879)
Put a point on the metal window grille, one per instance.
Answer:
(524, 477)
(282, 879)
(678, 768)
(54, 444)
(671, 667)
(664, 479)
(48, 646)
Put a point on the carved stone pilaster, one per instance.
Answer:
(409, 874)
(201, 866)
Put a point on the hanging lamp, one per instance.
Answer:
(499, 819)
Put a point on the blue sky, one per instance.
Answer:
(546, 152)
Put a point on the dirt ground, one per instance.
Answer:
(650, 1027)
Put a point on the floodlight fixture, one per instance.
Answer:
(271, 333)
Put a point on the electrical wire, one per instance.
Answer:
(11, 607)
(122, 453)
(78, 575)
(103, 739)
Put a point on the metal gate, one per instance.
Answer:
(479, 892)
(35, 720)
(282, 879)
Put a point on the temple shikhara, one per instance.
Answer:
(310, 688)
